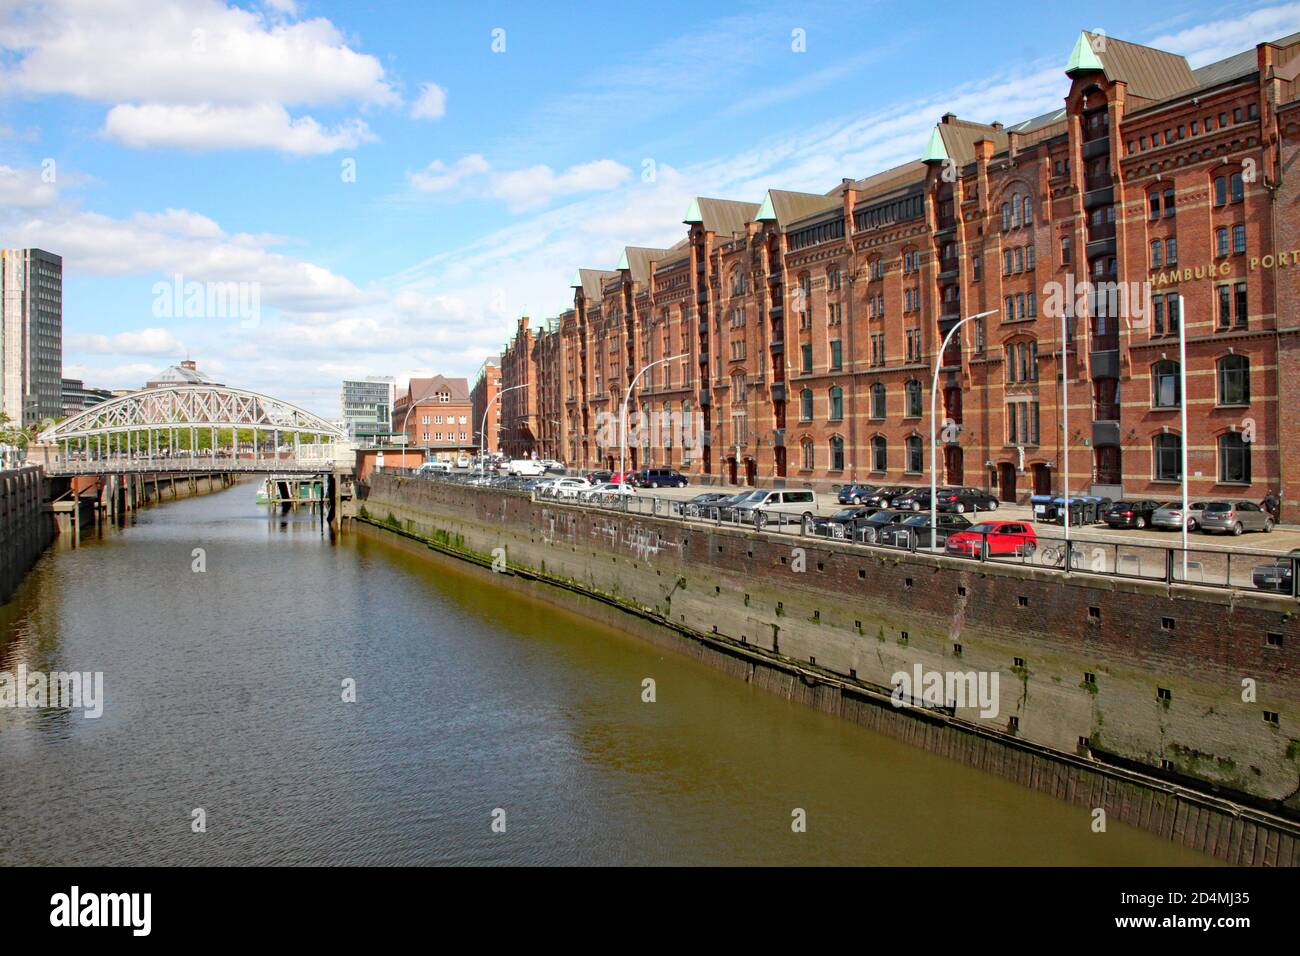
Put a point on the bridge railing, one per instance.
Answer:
(100, 466)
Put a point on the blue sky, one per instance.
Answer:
(398, 182)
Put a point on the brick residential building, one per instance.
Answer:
(801, 329)
(483, 398)
(435, 415)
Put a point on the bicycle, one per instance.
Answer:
(1052, 556)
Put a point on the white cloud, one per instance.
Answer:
(1222, 38)
(25, 188)
(266, 125)
(439, 177)
(431, 103)
(193, 73)
(139, 342)
(521, 189)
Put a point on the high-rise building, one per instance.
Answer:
(367, 407)
(31, 335)
(78, 396)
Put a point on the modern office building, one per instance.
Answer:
(367, 406)
(77, 396)
(803, 332)
(31, 335)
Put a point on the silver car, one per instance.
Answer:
(1171, 515)
(1234, 517)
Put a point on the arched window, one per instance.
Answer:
(1029, 211)
(808, 453)
(877, 400)
(806, 405)
(1234, 457)
(1167, 457)
(879, 454)
(837, 453)
(837, 403)
(1006, 216)
(1165, 385)
(915, 460)
(1234, 380)
(1015, 210)
(913, 391)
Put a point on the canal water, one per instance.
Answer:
(223, 690)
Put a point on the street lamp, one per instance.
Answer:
(482, 431)
(622, 423)
(934, 451)
(1182, 414)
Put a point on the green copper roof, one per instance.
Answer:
(765, 212)
(622, 261)
(1083, 58)
(693, 214)
(935, 151)
(577, 281)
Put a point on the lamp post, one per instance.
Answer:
(934, 451)
(622, 422)
(482, 431)
(1182, 414)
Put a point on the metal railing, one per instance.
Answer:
(103, 466)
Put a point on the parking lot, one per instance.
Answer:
(1218, 561)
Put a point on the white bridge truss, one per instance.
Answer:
(166, 427)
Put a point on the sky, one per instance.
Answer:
(385, 188)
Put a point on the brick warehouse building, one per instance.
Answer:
(435, 415)
(808, 324)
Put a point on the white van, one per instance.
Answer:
(434, 468)
(525, 468)
(792, 504)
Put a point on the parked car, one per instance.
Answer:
(596, 477)
(697, 505)
(965, 498)
(431, 468)
(526, 467)
(553, 467)
(724, 507)
(570, 487)
(606, 489)
(1276, 575)
(1170, 515)
(659, 478)
(854, 493)
(883, 496)
(760, 506)
(868, 529)
(1234, 517)
(842, 524)
(999, 537)
(1132, 513)
(915, 531)
(917, 499)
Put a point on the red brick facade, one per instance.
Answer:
(809, 324)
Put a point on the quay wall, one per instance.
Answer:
(1114, 693)
(26, 529)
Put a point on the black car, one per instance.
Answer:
(869, 529)
(915, 530)
(1276, 575)
(1132, 514)
(698, 505)
(854, 493)
(883, 496)
(599, 477)
(916, 499)
(658, 478)
(966, 498)
(724, 507)
(841, 524)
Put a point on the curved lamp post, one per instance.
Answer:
(622, 423)
(934, 456)
(482, 431)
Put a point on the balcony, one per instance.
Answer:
(1097, 181)
(778, 392)
(1097, 147)
(1105, 361)
(1105, 434)
(704, 397)
(1100, 196)
(1099, 231)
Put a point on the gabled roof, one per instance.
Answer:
(888, 181)
(1150, 74)
(720, 216)
(955, 139)
(420, 389)
(589, 281)
(637, 259)
(784, 207)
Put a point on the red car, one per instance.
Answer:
(1003, 537)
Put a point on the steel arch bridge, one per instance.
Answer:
(167, 428)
